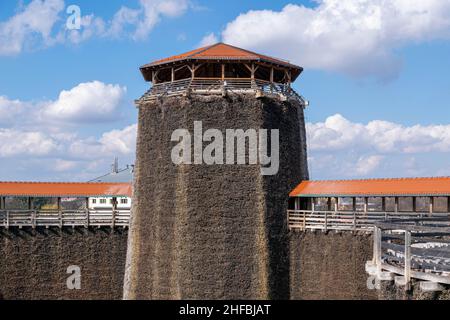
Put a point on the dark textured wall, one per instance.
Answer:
(33, 263)
(216, 231)
(330, 266)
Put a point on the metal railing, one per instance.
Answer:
(219, 86)
(65, 218)
(344, 220)
(416, 248)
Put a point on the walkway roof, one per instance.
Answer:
(439, 186)
(64, 189)
(223, 52)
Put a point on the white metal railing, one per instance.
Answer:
(416, 248)
(214, 86)
(64, 218)
(344, 220)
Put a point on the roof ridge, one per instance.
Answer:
(381, 179)
(56, 182)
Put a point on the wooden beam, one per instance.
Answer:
(172, 74)
(431, 208)
(407, 273)
(2, 203)
(396, 205)
(271, 74)
(448, 204)
(223, 71)
(377, 248)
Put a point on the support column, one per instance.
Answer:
(2, 203)
(396, 205)
(407, 259)
(59, 212)
(223, 72)
(431, 208)
(448, 204)
(172, 76)
(414, 204)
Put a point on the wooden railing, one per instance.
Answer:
(412, 248)
(343, 220)
(218, 86)
(65, 218)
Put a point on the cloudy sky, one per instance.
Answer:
(376, 73)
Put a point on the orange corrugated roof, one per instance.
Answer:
(221, 51)
(64, 189)
(375, 187)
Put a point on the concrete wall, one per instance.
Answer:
(33, 263)
(216, 231)
(330, 266)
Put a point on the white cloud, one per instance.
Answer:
(32, 24)
(42, 23)
(339, 148)
(356, 37)
(143, 19)
(367, 164)
(14, 142)
(338, 133)
(91, 101)
(111, 143)
(10, 109)
(208, 40)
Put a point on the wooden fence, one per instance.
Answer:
(218, 86)
(412, 248)
(344, 220)
(65, 218)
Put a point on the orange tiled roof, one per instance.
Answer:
(221, 51)
(64, 189)
(439, 186)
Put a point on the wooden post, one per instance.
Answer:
(172, 77)
(2, 203)
(313, 204)
(87, 212)
(414, 204)
(59, 212)
(329, 204)
(223, 71)
(326, 221)
(396, 205)
(354, 212)
(114, 208)
(336, 199)
(377, 248)
(7, 219)
(383, 207)
(366, 205)
(431, 208)
(448, 204)
(297, 203)
(193, 71)
(271, 79)
(407, 259)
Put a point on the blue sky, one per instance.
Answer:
(376, 73)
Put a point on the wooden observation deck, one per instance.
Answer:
(221, 69)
